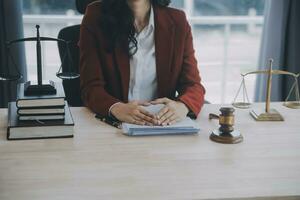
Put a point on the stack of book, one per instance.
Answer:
(42, 116)
(43, 107)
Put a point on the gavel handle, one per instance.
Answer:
(213, 116)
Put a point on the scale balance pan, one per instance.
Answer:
(67, 75)
(10, 78)
(292, 104)
(242, 105)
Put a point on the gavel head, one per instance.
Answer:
(225, 134)
(226, 120)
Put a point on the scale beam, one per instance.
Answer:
(278, 72)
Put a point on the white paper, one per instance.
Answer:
(184, 124)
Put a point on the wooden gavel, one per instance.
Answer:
(226, 119)
(226, 133)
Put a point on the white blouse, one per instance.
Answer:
(143, 81)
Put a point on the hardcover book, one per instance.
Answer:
(41, 117)
(60, 110)
(57, 99)
(17, 129)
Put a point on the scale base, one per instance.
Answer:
(47, 88)
(261, 115)
(233, 137)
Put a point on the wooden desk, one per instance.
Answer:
(101, 163)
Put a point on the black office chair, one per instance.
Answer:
(71, 34)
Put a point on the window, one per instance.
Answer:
(226, 33)
(52, 16)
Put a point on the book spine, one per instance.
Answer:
(22, 101)
(19, 111)
(24, 118)
(41, 107)
(9, 120)
(40, 114)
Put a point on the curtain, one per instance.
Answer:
(280, 41)
(11, 28)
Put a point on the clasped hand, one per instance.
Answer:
(134, 113)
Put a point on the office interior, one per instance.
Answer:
(236, 43)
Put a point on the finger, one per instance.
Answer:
(141, 118)
(134, 102)
(164, 110)
(144, 103)
(136, 120)
(145, 112)
(148, 117)
(156, 102)
(174, 121)
(139, 123)
(138, 115)
(172, 118)
(145, 118)
(167, 117)
(160, 101)
(139, 102)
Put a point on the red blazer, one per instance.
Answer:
(104, 77)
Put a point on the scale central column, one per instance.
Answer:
(269, 86)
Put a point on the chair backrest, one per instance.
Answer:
(71, 34)
(71, 87)
(82, 4)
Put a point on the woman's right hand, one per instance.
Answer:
(133, 113)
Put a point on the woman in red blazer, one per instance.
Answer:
(136, 52)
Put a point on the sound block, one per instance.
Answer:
(233, 137)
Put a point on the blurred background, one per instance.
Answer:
(227, 36)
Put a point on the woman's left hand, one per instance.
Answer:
(172, 112)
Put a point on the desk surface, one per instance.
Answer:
(101, 163)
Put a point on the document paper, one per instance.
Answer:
(186, 126)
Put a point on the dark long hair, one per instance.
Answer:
(117, 24)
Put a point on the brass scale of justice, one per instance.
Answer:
(226, 133)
